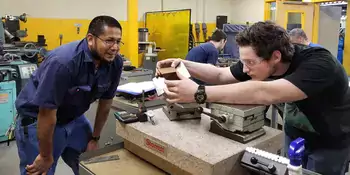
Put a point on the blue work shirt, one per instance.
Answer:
(67, 81)
(204, 53)
(314, 45)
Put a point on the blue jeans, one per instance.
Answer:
(324, 161)
(69, 141)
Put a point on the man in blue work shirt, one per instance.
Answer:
(298, 36)
(208, 52)
(51, 106)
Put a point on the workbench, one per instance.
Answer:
(128, 163)
(187, 147)
(185, 136)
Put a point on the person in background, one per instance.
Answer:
(208, 52)
(341, 47)
(51, 122)
(298, 36)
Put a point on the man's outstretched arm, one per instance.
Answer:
(255, 92)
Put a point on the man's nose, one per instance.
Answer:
(245, 69)
(115, 47)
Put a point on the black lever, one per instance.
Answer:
(221, 119)
(271, 167)
(141, 115)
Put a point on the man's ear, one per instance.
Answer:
(90, 39)
(276, 56)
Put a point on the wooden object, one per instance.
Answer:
(128, 163)
(187, 147)
(169, 73)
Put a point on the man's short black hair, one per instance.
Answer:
(265, 38)
(97, 25)
(218, 35)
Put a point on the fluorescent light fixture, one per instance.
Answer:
(334, 3)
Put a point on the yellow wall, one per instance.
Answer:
(52, 28)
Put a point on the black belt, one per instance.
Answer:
(30, 120)
(27, 121)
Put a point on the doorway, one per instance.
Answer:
(332, 27)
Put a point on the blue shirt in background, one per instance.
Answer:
(340, 50)
(204, 53)
(314, 45)
(67, 81)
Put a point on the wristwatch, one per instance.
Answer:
(200, 96)
(95, 138)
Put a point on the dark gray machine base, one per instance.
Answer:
(236, 136)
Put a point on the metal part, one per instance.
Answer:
(30, 50)
(179, 111)
(2, 34)
(262, 162)
(152, 121)
(137, 75)
(241, 123)
(141, 115)
(101, 159)
(8, 34)
(9, 18)
(150, 115)
(22, 17)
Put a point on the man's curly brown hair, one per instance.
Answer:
(265, 38)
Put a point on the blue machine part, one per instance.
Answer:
(231, 47)
(7, 107)
(296, 151)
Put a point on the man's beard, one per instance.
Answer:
(96, 56)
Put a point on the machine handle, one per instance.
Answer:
(221, 119)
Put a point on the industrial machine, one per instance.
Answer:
(149, 50)
(231, 47)
(23, 69)
(10, 40)
(7, 99)
(9, 30)
(136, 75)
(177, 111)
(241, 123)
(225, 60)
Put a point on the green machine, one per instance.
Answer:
(7, 100)
(14, 75)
